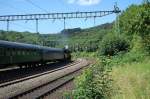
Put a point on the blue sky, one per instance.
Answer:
(10, 7)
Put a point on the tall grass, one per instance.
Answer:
(132, 81)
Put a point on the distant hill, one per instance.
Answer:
(75, 36)
(72, 31)
(105, 26)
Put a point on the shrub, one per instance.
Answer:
(135, 20)
(112, 44)
(94, 83)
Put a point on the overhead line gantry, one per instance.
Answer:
(64, 16)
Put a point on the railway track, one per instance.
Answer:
(43, 83)
(41, 91)
(11, 74)
(34, 76)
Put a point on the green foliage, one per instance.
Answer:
(126, 54)
(24, 37)
(112, 44)
(94, 83)
(135, 20)
(128, 48)
(124, 58)
(127, 20)
(136, 54)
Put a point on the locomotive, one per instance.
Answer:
(21, 54)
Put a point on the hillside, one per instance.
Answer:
(71, 37)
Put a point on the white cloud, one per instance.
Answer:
(71, 1)
(84, 2)
(88, 2)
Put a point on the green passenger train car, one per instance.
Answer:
(13, 53)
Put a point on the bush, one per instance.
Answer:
(135, 20)
(112, 44)
(94, 83)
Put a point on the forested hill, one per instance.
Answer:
(67, 36)
(79, 30)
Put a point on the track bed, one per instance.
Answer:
(42, 84)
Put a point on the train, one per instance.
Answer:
(21, 54)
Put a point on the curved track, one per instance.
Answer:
(19, 75)
(38, 85)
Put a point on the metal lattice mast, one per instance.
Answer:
(117, 29)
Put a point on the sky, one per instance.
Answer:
(13, 7)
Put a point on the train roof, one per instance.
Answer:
(9, 44)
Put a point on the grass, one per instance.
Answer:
(130, 74)
(132, 81)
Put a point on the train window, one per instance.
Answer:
(23, 52)
(18, 52)
(32, 52)
(7, 52)
(13, 51)
(1, 51)
(27, 52)
(4, 52)
(35, 52)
